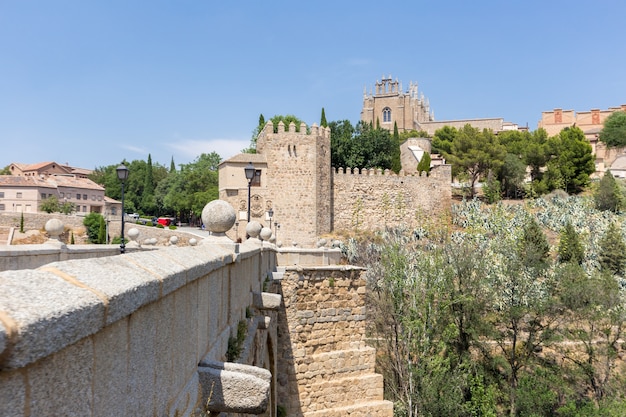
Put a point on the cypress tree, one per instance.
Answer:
(533, 249)
(608, 196)
(102, 231)
(323, 122)
(172, 165)
(613, 251)
(424, 164)
(396, 160)
(570, 246)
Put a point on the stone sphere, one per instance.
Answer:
(133, 233)
(153, 241)
(54, 227)
(193, 241)
(321, 243)
(173, 240)
(253, 228)
(218, 216)
(265, 233)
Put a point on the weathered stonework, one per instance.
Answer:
(322, 346)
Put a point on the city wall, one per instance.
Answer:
(373, 198)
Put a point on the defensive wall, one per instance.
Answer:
(159, 333)
(374, 198)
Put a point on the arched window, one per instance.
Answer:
(386, 115)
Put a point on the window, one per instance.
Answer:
(1, 194)
(93, 197)
(84, 196)
(386, 115)
(84, 209)
(1, 207)
(99, 198)
(43, 196)
(113, 211)
(78, 196)
(18, 195)
(62, 194)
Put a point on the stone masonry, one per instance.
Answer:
(322, 333)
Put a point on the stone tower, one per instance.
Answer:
(298, 180)
(388, 104)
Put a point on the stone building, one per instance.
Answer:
(591, 123)
(410, 110)
(309, 199)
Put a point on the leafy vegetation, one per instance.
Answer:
(490, 317)
(613, 134)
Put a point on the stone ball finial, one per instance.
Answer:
(253, 229)
(265, 233)
(54, 228)
(133, 234)
(173, 240)
(218, 216)
(193, 241)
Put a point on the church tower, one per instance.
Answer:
(388, 104)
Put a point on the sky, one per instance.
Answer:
(93, 83)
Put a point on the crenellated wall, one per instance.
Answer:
(372, 198)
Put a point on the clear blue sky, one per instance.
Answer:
(93, 82)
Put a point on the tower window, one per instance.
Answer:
(386, 115)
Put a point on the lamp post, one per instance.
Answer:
(270, 213)
(122, 175)
(249, 170)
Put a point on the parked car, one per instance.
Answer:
(165, 221)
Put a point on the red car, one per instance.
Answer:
(165, 221)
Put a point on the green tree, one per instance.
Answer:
(172, 166)
(533, 248)
(613, 251)
(608, 196)
(570, 246)
(323, 121)
(255, 135)
(6, 170)
(424, 164)
(413, 134)
(475, 153)
(22, 222)
(613, 134)
(287, 120)
(396, 161)
(341, 142)
(102, 231)
(92, 223)
(442, 140)
(571, 163)
(50, 205)
(512, 175)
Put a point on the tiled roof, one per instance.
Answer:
(52, 181)
(247, 157)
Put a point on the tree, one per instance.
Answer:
(613, 251)
(475, 153)
(533, 248)
(92, 222)
(396, 160)
(442, 140)
(570, 247)
(6, 170)
(172, 166)
(255, 135)
(102, 231)
(50, 205)
(424, 164)
(571, 163)
(608, 196)
(613, 134)
(323, 121)
(512, 175)
(341, 142)
(287, 120)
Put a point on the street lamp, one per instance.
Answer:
(270, 213)
(249, 169)
(122, 175)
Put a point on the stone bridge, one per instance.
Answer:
(214, 329)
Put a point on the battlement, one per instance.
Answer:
(379, 172)
(313, 130)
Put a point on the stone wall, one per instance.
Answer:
(123, 336)
(329, 368)
(373, 199)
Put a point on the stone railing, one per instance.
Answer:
(125, 335)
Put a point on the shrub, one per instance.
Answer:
(160, 226)
(172, 227)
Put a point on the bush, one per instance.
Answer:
(160, 226)
(92, 222)
(172, 227)
(149, 224)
